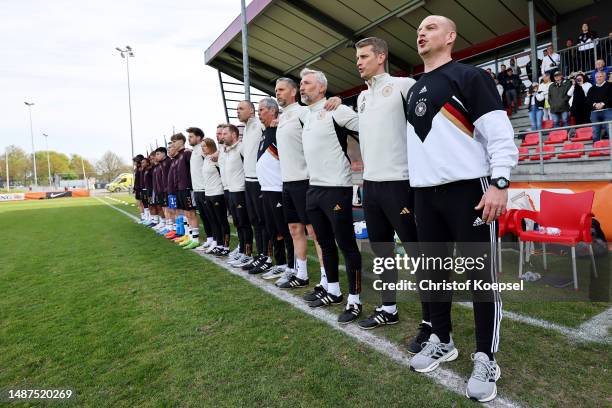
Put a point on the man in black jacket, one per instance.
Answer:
(558, 100)
(512, 86)
(600, 99)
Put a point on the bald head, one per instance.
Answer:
(436, 37)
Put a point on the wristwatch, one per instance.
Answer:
(500, 182)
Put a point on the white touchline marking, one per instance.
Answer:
(443, 376)
(594, 330)
(598, 326)
(586, 332)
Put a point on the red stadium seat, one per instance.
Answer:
(547, 124)
(572, 155)
(555, 137)
(598, 145)
(523, 153)
(570, 213)
(531, 139)
(583, 134)
(550, 155)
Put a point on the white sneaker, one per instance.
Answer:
(243, 261)
(287, 274)
(233, 257)
(209, 249)
(275, 272)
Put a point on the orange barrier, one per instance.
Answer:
(36, 195)
(80, 193)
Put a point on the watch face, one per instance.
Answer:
(502, 183)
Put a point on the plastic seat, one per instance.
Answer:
(598, 145)
(572, 155)
(584, 134)
(523, 153)
(549, 153)
(531, 139)
(555, 137)
(570, 213)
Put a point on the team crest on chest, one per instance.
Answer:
(387, 90)
(421, 107)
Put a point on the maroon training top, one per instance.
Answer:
(171, 187)
(148, 179)
(183, 173)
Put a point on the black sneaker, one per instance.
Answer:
(294, 282)
(216, 251)
(254, 263)
(423, 333)
(326, 300)
(317, 293)
(264, 266)
(222, 252)
(379, 318)
(350, 314)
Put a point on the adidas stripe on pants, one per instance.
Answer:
(277, 227)
(446, 213)
(389, 208)
(330, 210)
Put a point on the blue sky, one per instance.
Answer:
(61, 56)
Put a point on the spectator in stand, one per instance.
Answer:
(599, 99)
(515, 67)
(580, 109)
(550, 62)
(501, 77)
(600, 66)
(535, 104)
(569, 60)
(559, 101)
(544, 86)
(586, 46)
(511, 86)
(500, 88)
(529, 68)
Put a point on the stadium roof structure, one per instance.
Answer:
(284, 36)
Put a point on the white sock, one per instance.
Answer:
(213, 244)
(147, 214)
(334, 288)
(353, 300)
(210, 239)
(390, 309)
(302, 270)
(142, 216)
(323, 281)
(195, 234)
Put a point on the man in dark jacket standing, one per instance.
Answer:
(559, 100)
(600, 99)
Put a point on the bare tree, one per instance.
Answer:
(110, 166)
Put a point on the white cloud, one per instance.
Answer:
(61, 56)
